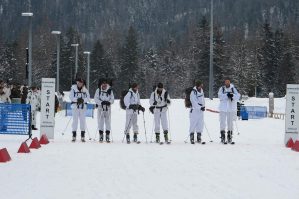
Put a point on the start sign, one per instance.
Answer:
(292, 113)
(47, 117)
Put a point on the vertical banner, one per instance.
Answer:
(47, 119)
(292, 113)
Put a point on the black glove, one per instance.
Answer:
(155, 103)
(141, 108)
(230, 95)
(168, 101)
(203, 108)
(106, 103)
(80, 101)
(151, 109)
(97, 105)
(134, 107)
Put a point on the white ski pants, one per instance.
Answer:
(79, 115)
(196, 121)
(104, 119)
(226, 119)
(160, 117)
(131, 121)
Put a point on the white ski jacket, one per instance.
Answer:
(227, 104)
(103, 95)
(33, 99)
(131, 98)
(75, 94)
(197, 98)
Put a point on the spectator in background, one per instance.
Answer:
(34, 100)
(4, 95)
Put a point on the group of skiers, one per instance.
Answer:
(159, 104)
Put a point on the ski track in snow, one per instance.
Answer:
(257, 166)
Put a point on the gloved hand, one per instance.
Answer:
(106, 103)
(203, 108)
(134, 107)
(151, 109)
(230, 95)
(168, 101)
(155, 103)
(97, 105)
(80, 101)
(141, 108)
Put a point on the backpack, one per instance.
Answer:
(165, 96)
(122, 97)
(188, 91)
(108, 91)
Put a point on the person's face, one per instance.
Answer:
(160, 89)
(227, 83)
(136, 89)
(104, 86)
(80, 84)
(199, 87)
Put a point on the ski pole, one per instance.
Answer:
(98, 122)
(186, 140)
(110, 128)
(62, 133)
(152, 130)
(144, 128)
(127, 127)
(87, 131)
(208, 132)
(170, 137)
(237, 128)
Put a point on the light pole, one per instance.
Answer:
(211, 75)
(30, 15)
(76, 60)
(88, 68)
(57, 33)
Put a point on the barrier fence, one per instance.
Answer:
(15, 119)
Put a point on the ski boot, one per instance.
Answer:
(166, 136)
(82, 136)
(222, 137)
(135, 138)
(101, 136)
(192, 138)
(74, 136)
(108, 136)
(128, 138)
(229, 136)
(157, 137)
(198, 137)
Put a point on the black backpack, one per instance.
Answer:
(122, 97)
(108, 92)
(188, 91)
(165, 96)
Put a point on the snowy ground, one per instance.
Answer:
(258, 166)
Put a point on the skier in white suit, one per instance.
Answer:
(133, 106)
(159, 102)
(104, 98)
(79, 97)
(33, 98)
(197, 112)
(229, 97)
